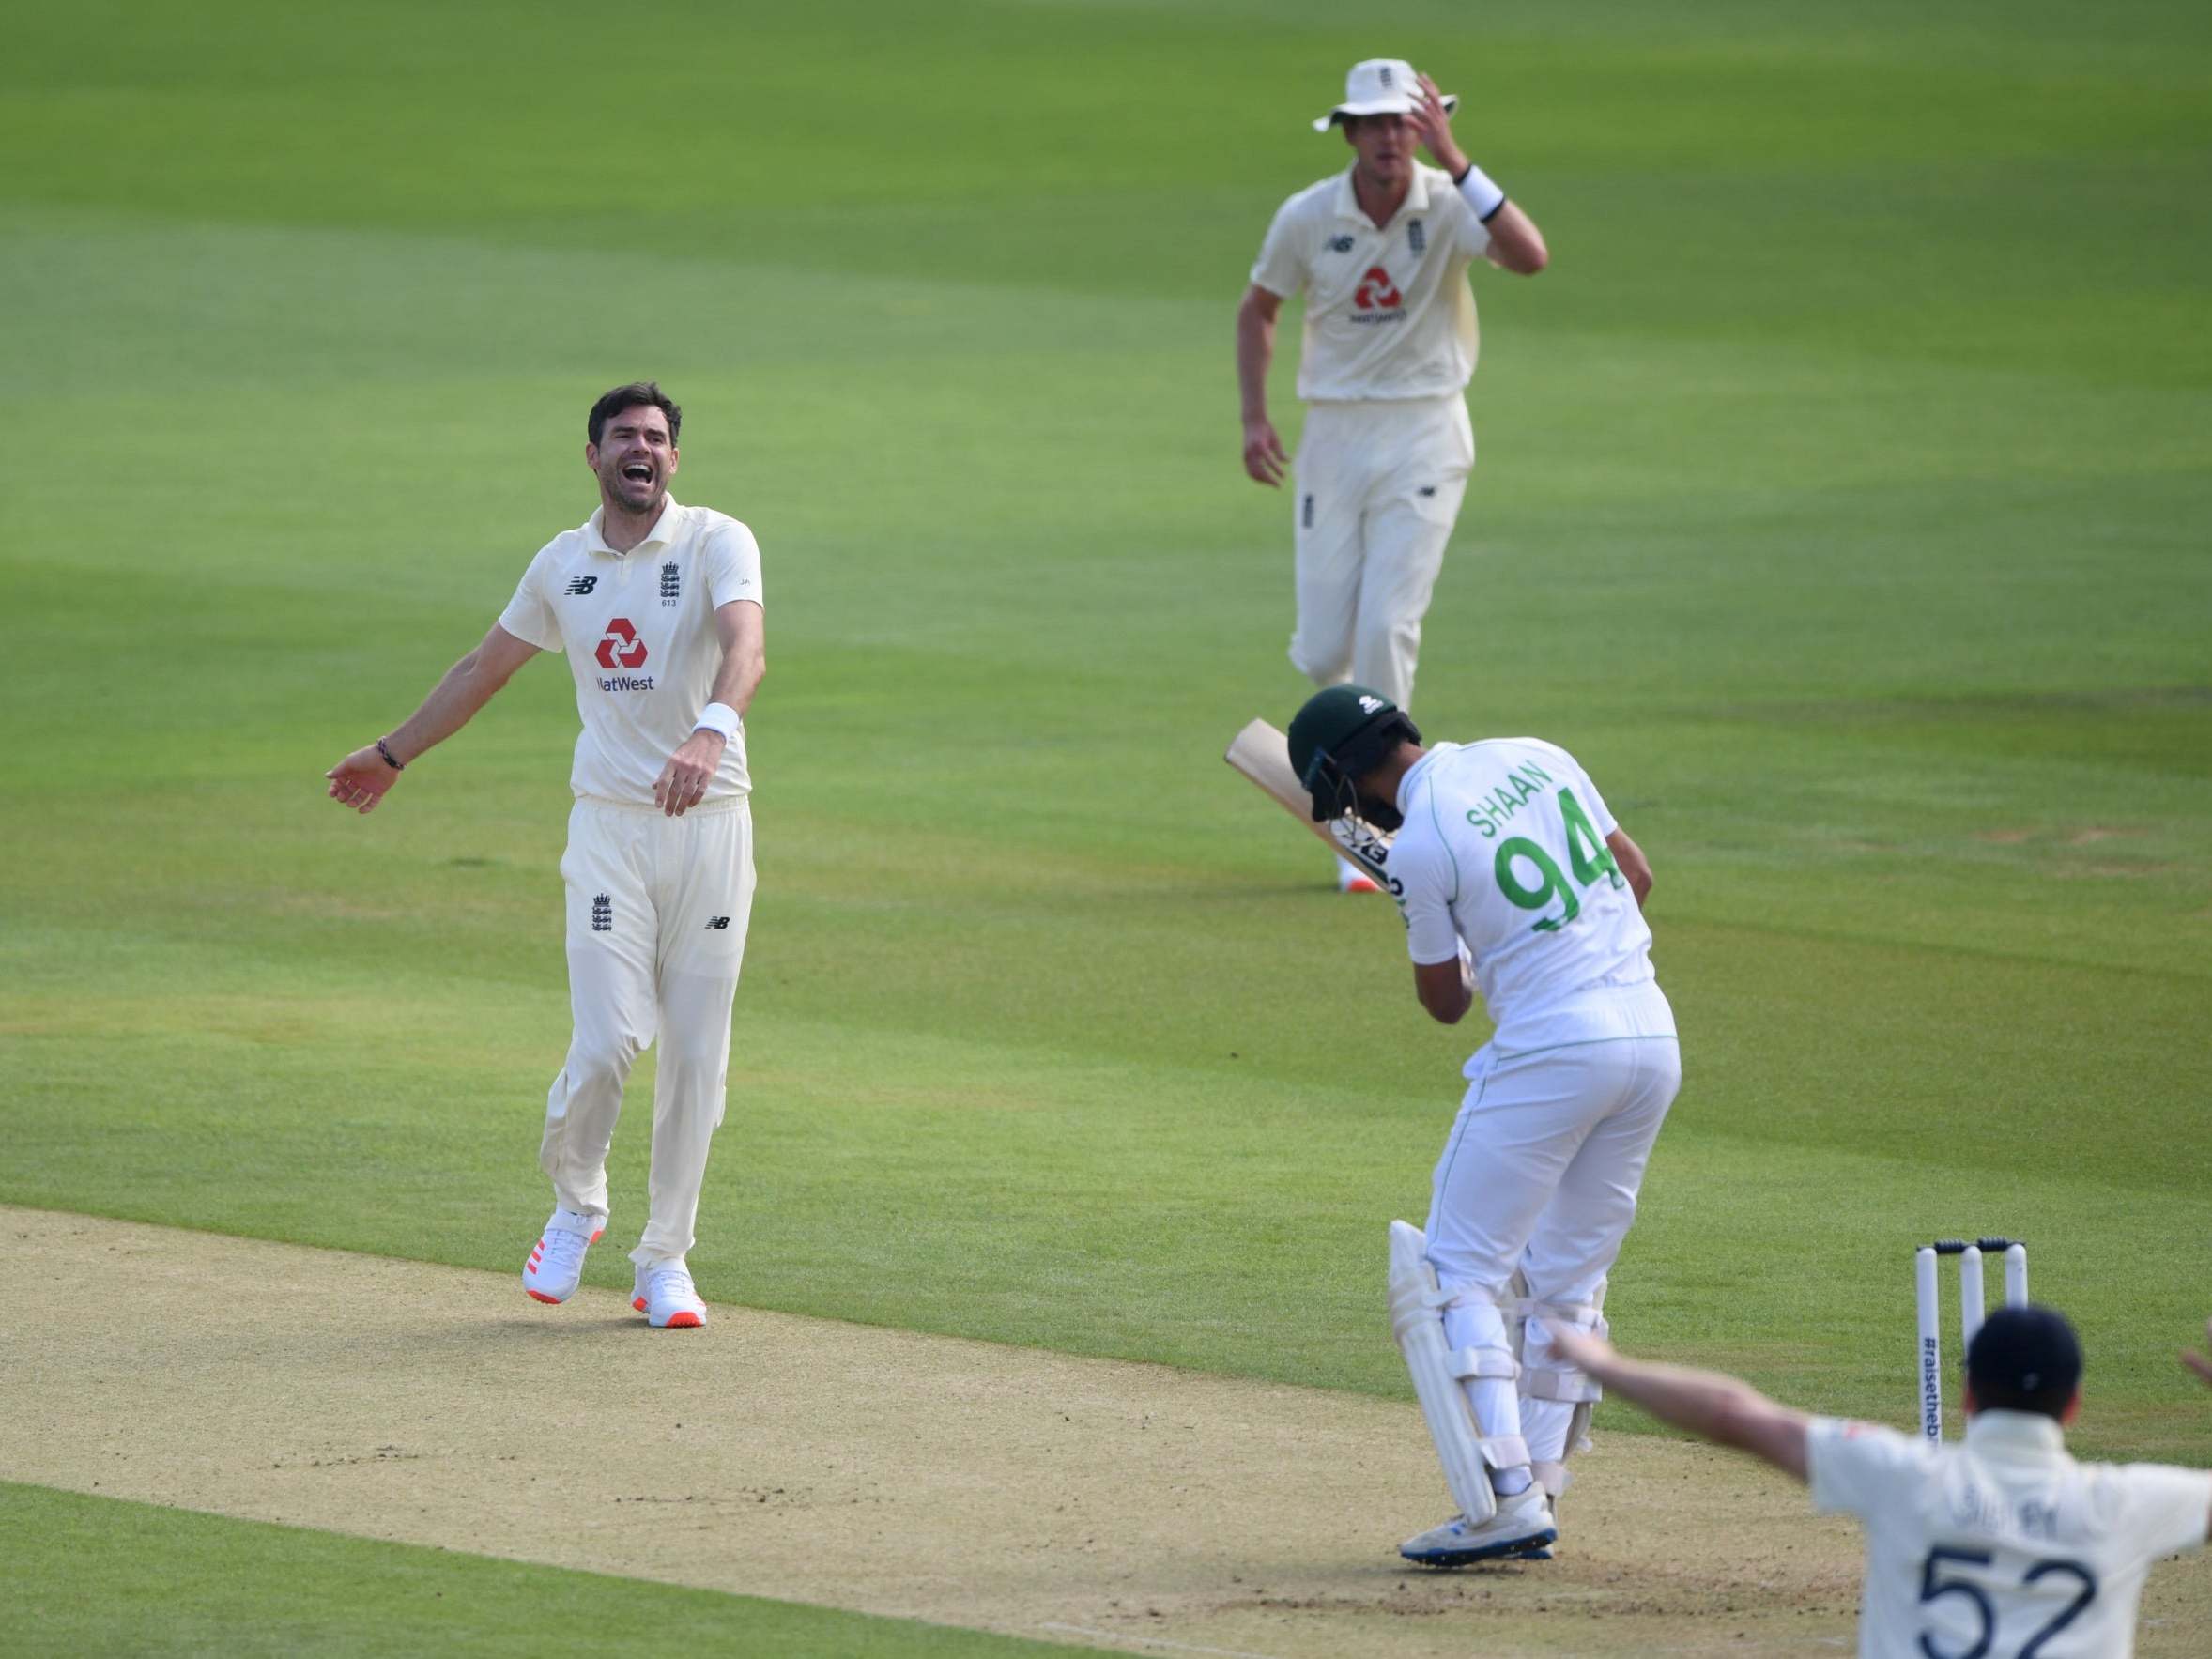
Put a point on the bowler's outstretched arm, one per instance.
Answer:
(360, 779)
(2201, 1363)
(1715, 1408)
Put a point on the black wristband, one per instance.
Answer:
(390, 759)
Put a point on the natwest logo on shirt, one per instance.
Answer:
(1377, 289)
(620, 648)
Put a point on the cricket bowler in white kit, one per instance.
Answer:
(1381, 252)
(2000, 1547)
(1515, 881)
(659, 606)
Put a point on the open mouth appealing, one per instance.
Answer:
(637, 472)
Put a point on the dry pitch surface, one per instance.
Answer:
(1094, 1501)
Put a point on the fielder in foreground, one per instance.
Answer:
(659, 606)
(2002, 1546)
(1381, 252)
(1512, 878)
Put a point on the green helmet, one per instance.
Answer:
(1341, 733)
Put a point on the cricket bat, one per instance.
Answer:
(1263, 754)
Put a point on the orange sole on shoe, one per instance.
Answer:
(683, 1322)
(539, 1296)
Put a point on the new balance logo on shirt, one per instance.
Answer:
(716, 924)
(581, 584)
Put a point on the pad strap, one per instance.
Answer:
(1473, 1363)
(1574, 1386)
(1504, 1451)
(1582, 1315)
(1474, 1295)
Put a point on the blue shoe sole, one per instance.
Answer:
(1530, 1548)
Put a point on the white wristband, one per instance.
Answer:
(1481, 193)
(720, 719)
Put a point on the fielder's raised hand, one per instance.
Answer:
(1433, 121)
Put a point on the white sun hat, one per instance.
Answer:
(1379, 86)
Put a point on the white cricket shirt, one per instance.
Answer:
(639, 628)
(2003, 1545)
(1388, 311)
(1503, 850)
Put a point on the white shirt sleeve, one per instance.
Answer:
(529, 614)
(1855, 1465)
(1280, 267)
(2169, 1509)
(1474, 236)
(733, 565)
(1428, 882)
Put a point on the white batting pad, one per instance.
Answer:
(1417, 1321)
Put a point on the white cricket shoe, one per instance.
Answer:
(1522, 1527)
(556, 1260)
(665, 1295)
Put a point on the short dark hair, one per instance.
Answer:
(636, 394)
(2024, 1359)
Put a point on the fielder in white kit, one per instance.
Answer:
(659, 608)
(1381, 252)
(1513, 880)
(2000, 1547)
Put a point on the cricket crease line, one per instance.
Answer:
(1150, 1641)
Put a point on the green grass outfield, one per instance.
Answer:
(1842, 505)
(74, 1580)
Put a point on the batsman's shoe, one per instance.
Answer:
(663, 1295)
(1522, 1527)
(1350, 877)
(556, 1260)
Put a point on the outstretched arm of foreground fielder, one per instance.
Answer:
(1715, 1408)
(360, 779)
(2201, 1363)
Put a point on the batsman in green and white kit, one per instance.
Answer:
(1515, 881)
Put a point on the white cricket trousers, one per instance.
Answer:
(1541, 1174)
(657, 909)
(1379, 488)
